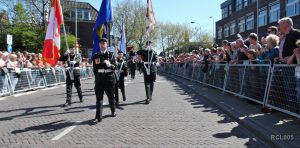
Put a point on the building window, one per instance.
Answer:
(274, 12)
(220, 31)
(229, 9)
(292, 7)
(82, 14)
(241, 25)
(250, 21)
(86, 15)
(239, 5)
(224, 12)
(246, 3)
(226, 31)
(232, 28)
(262, 17)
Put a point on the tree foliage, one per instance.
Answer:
(71, 41)
(132, 13)
(25, 35)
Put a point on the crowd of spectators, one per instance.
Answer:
(11, 65)
(280, 46)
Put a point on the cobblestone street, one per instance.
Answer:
(176, 117)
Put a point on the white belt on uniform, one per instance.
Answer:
(73, 68)
(105, 70)
(149, 62)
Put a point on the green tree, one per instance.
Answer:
(71, 41)
(25, 36)
(21, 16)
(4, 21)
(132, 13)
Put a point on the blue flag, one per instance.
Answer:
(123, 40)
(100, 29)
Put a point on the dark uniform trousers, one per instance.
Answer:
(75, 73)
(150, 58)
(120, 84)
(76, 82)
(104, 82)
(132, 68)
(149, 83)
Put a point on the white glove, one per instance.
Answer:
(157, 64)
(73, 62)
(67, 52)
(107, 63)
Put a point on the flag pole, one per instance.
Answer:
(76, 35)
(65, 34)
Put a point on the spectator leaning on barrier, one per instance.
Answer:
(233, 55)
(13, 65)
(222, 58)
(28, 63)
(271, 30)
(272, 50)
(242, 51)
(253, 42)
(228, 52)
(289, 38)
(252, 56)
(296, 55)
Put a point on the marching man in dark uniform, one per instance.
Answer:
(121, 73)
(132, 63)
(148, 58)
(104, 67)
(72, 60)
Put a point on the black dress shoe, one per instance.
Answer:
(124, 99)
(147, 101)
(95, 121)
(66, 104)
(113, 114)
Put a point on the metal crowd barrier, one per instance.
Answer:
(284, 90)
(31, 79)
(274, 86)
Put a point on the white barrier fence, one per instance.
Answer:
(275, 86)
(31, 79)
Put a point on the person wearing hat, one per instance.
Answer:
(121, 73)
(72, 61)
(148, 58)
(104, 65)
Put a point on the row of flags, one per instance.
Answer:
(51, 51)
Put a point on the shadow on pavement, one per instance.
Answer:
(199, 102)
(29, 111)
(48, 127)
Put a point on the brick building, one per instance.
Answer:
(240, 16)
(86, 17)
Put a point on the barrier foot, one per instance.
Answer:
(266, 110)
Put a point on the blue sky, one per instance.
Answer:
(182, 11)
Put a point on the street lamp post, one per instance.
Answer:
(213, 20)
(199, 26)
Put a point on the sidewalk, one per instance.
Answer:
(275, 128)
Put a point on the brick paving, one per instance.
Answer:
(172, 119)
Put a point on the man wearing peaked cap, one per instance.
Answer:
(148, 58)
(104, 65)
